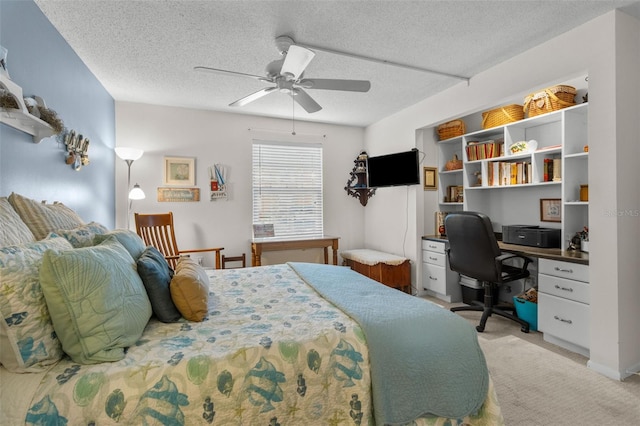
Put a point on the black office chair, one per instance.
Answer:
(474, 252)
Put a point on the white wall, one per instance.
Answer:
(213, 137)
(607, 50)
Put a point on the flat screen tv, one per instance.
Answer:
(401, 168)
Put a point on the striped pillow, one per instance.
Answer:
(43, 218)
(13, 230)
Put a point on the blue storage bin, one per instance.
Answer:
(527, 311)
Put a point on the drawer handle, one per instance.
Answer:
(562, 319)
(433, 258)
(433, 247)
(431, 278)
(570, 271)
(569, 289)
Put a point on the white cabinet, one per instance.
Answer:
(563, 304)
(437, 278)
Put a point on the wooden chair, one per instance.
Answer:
(157, 230)
(228, 259)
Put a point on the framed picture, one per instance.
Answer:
(550, 210)
(179, 171)
(430, 178)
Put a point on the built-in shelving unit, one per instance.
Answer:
(561, 136)
(20, 118)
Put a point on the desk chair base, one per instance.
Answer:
(489, 309)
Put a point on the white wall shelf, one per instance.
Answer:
(20, 118)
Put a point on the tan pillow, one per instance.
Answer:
(43, 218)
(190, 289)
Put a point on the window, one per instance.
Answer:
(287, 188)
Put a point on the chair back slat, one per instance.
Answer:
(157, 230)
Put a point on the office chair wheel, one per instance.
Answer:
(479, 328)
(524, 329)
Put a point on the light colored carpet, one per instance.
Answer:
(536, 386)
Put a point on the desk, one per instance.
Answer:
(258, 245)
(572, 256)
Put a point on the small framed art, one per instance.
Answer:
(430, 178)
(179, 171)
(550, 210)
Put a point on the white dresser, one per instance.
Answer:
(563, 304)
(437, 278)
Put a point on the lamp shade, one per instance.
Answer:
(136, 193)
(127, 153)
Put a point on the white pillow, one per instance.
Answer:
(27, 338)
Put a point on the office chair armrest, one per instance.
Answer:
(500, 260)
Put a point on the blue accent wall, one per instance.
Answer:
(43, 64)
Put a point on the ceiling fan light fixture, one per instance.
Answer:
(296, 61)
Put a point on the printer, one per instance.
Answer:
(529, 235)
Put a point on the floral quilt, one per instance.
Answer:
(270, 352)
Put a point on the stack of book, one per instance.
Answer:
(552, 170)
(481, 150)
(502, 173)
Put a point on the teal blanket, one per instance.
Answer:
(425, 360)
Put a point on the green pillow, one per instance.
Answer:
(129, 239)
(96, 300)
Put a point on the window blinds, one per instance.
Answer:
(287, 188)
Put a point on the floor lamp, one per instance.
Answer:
(129, 155)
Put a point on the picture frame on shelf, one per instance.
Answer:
(430, 178)
(550, 210)
(179, 171)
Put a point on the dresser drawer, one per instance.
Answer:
(572, 271)
(434, 278)
(564, 319)
(439, 259)
(436, 246)
(569, 289)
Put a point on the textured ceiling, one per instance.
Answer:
(145, 51)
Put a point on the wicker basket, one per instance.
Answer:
(453, 164)
(550, 99)
(503, 115)
(451, 129)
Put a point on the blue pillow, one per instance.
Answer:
(156, 277)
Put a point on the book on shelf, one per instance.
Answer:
(481, 150)
(505, 173)
(552, 170)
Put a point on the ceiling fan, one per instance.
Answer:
(287, 76)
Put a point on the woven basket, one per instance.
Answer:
(453, 164)
(503, 115)
(451, 129)
(550, 99)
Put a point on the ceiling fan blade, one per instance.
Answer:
(252, 97)
(305, 101)
(296, 61)
(331, 84)
(234, 73)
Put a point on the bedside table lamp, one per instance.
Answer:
(129, 155)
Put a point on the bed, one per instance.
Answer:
(276, 345)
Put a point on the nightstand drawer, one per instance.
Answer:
(569, 289)
(439, 259)
(564, 319)
(572, 271)
(437, 246)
